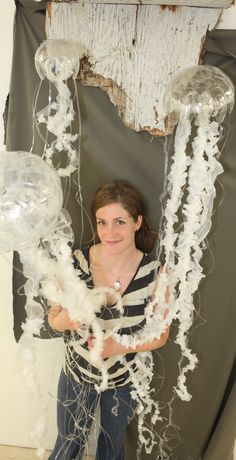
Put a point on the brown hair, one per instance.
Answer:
(125, 193)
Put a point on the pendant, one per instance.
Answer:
(117, 285)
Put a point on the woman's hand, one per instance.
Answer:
(110, 347)
(58, 319)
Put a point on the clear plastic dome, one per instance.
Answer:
(57, 60)
(30, 199)
(198, 89)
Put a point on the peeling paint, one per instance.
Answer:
(132, 51)
(88, 78)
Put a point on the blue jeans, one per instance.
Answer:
(75, 412)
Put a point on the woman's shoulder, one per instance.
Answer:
(151, 260)
(148, 268)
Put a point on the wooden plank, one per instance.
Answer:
(131, 52)
(194, 3)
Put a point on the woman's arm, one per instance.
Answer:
(112, 348)
(58, 319)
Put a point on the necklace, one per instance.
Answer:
(117, 284)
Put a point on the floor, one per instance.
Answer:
(19, 453)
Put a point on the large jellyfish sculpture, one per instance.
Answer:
(197, 101)
(56, 61)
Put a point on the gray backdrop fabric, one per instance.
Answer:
(207, 424)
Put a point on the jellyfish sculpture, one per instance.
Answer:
(197, 100)
(57, 61)
(33, 222)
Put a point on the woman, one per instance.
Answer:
(120, 261)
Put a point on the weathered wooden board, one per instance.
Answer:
(198, 3)
(132, 51)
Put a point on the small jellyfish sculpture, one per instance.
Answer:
(197, 100)
(57, 61)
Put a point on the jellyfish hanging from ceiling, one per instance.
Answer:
(34, 223)
(57, 61)
(197, 100)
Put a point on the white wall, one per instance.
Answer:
(228, 19)
(19, 411)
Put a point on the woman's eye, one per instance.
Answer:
(120, 222)
(101, 223)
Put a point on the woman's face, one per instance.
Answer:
(116, 228)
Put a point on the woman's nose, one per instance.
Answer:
(111, 229)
